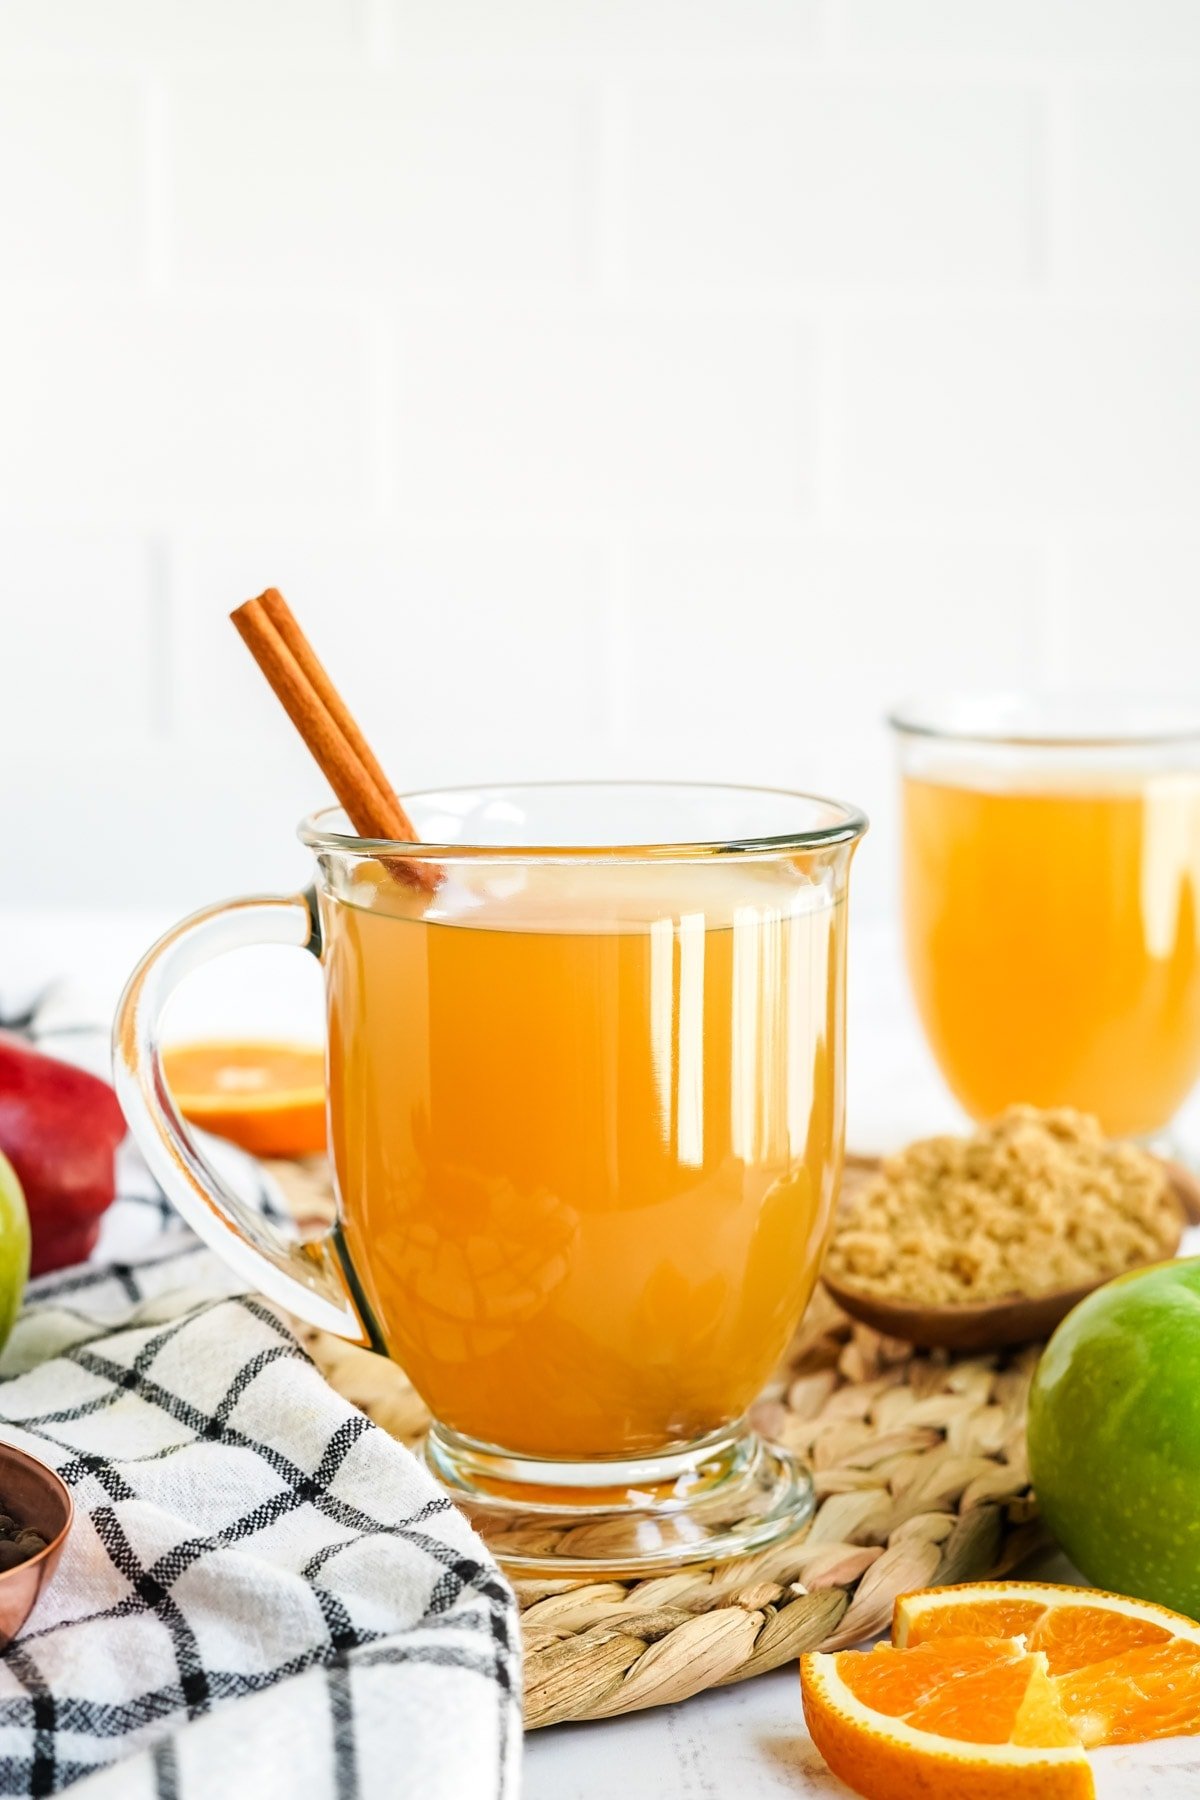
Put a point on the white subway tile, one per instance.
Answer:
(77, 631)
(126, 828)
(138, 412)
(1022, 412)
(603, 414)
(181, 30)
(737, 181)
(341, 181)
(1129, 613)
(1076, 30)
(618, 27)
(764, 638)
(1132, 208)
(467, 657)
(71, 179)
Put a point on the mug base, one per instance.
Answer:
(729, 1495)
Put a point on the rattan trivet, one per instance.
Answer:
(919, 1464)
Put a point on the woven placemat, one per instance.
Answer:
(919, 1464)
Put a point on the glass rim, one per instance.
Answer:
(1010, 719)
(848, 825)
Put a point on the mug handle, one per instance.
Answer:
(306, 1278)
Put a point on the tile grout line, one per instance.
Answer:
(1056, 179)
(157, 184)
(381, 374)
(161, 633)
(609, 195)
(828, 428)
(618, 648)
(1052, 627)
(378, 34)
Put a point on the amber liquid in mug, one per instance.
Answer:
(1053, 940)
(587, 1135)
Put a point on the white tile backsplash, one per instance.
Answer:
(353, 181)
(1046, 413)
(145, 412)
(80, 632)
(1130, 602)
(603, 413)
(71, 179)
(754, 181)
(1133, 185)
(1071, 32)
(179, 31)
(619, 28)
(628, 386)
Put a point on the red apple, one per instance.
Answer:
(59, 1128)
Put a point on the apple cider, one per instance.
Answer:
(587, 1128)
(1053, 940)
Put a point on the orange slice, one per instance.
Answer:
(1124, 1670)
(267, 1097)
(960, 1718)
(997, 1689)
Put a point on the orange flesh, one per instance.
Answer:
(1119, 1678)
(897, 1681)
(977, 1618)
(1069, 1635)
(1053, 941)
(1073, 1636)
(1149, 1692)
(977, 1709)
(586, 1141)
(965, 1688)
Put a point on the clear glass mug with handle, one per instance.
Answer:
(585, 1109)
(1050, 853)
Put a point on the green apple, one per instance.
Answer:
(1114, 1435)
(14, 1247)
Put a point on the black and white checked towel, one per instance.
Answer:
(263, 1593)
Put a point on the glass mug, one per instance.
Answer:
(1051, 897)
(585, 1109)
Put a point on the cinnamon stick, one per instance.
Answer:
(286, 624)
(333, 738)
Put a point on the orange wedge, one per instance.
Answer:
(267, 1097)
(960, 1718)
(997, 1689)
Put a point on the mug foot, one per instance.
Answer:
(729, 1495)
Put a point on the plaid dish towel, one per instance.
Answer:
(241, 1535)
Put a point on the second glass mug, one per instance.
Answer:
(1051, 886)
(586, 1126)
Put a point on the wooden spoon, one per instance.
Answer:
(988, 1324)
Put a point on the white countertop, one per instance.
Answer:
(745, 1742)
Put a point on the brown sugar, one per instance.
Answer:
(1033, 1202)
